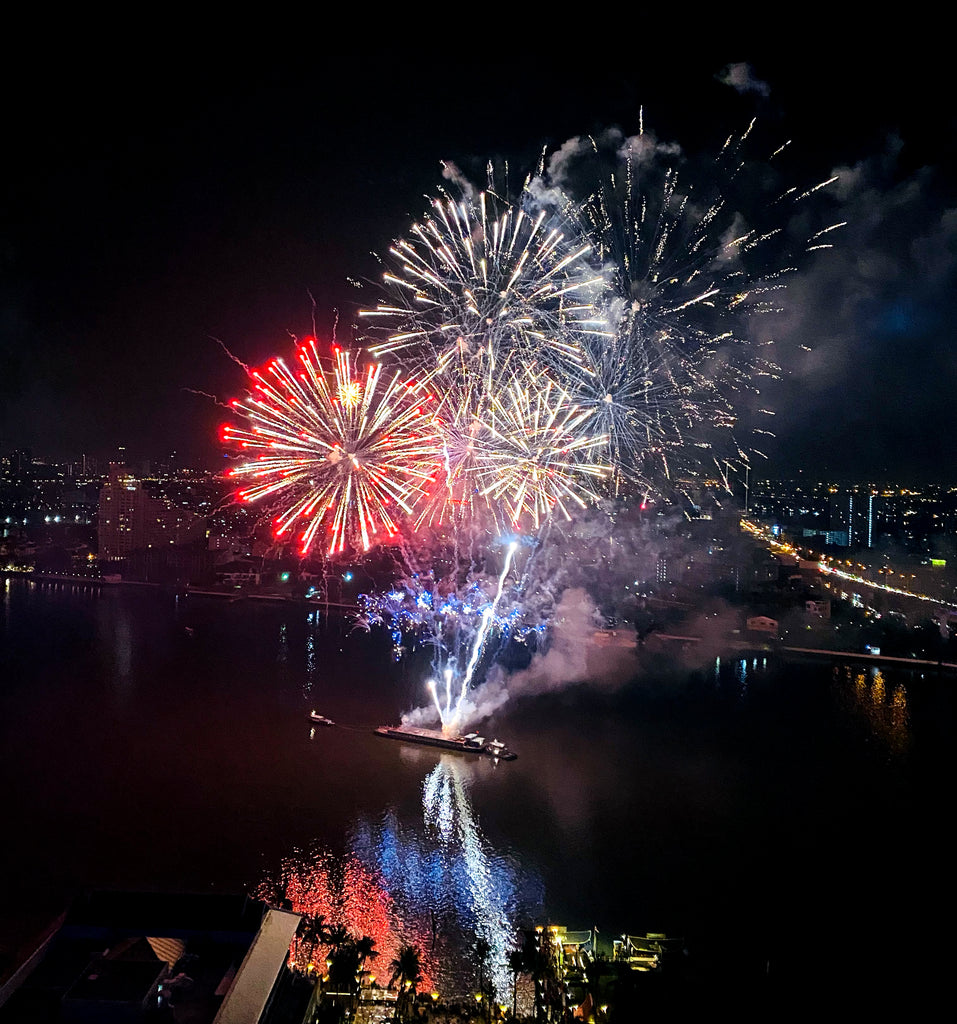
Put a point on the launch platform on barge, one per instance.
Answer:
(470, 743)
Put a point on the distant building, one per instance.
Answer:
(239, 573)
(130, 520)
(821, 608)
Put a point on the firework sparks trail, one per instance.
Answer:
(483, 278)
(339, 448)
(691, 266)
(592, 338)
(206, 394)
(235, 359)
(456, 620)
(493, 298)
(487, 617)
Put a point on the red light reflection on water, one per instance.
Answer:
(347, 893)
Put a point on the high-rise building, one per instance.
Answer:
(130, 520)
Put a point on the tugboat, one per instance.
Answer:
(314, 716)
(470, 743)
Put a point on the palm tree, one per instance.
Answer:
(364, 949)
(407, 972)
(338, 936)
(540, 963)
(346, 957)
(312, 933)
(315, 929)
(516, 964)
(483, 954)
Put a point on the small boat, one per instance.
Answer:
(470, 743)
(314, 716)
(626, 639)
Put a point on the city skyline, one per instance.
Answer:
(145, 225)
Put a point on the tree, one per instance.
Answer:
(539, 961)
(315, 929)
(338, 936)
(516, 964)
(311, 935)
(407, 973)
(535, 963)
(346, 956)
(483, 955)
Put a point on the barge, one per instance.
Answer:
(470, 743)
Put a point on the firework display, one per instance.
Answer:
(496, 302)
(688, 271)
(335, 446)
(589, 339)
(483, 280)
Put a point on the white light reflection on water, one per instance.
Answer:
(116, 638)
(741, 674)
(282, 655)
(310, 663)
(446, 804)
(437, 884)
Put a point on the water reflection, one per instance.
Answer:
(741, 674)
(310, 663)
(115, 638)
(484, 894)
(437, 884)
(346, 892)
(282, 655)
(744, 671)
(881, 705)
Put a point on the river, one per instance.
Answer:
(780, 816)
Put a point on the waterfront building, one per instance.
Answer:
(210, 959)
(130, 520)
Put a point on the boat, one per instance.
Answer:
(470, 743)
(623, 638)
(314, 716)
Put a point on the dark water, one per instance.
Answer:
(783, 817)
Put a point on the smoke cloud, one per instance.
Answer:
(743, 80)
(574, 656)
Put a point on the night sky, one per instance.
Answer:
(150, 210)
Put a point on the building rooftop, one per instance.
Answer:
(129, 956)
